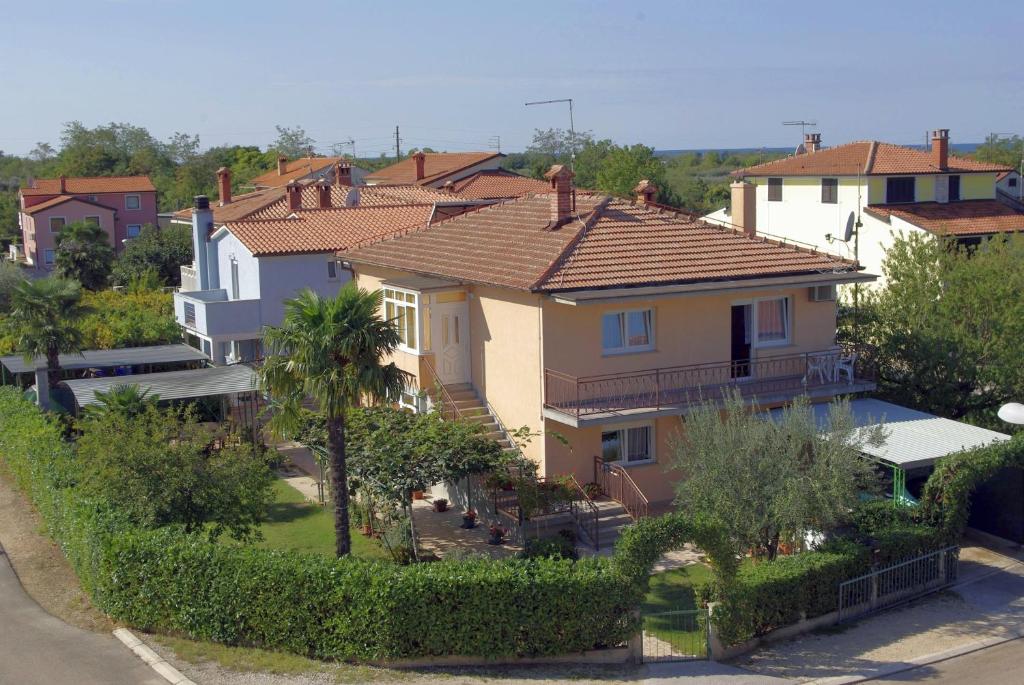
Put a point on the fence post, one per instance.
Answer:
(873, 598)
(635, 645)
(716, 650)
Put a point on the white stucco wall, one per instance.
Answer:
(227, 248)
(282, 277)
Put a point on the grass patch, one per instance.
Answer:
(294, 523)
(674, 591)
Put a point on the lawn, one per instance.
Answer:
(296, 524)
(673, 591)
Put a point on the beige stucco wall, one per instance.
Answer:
(370, 278)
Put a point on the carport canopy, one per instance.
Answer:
(913, 438)
(214, 381)
(103, 359)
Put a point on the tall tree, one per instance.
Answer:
(44, 321)
(164, 250)
(84, 254)
(1007, 150)
(292, 142)
(11, 276)
(624, 167)
(330, 349)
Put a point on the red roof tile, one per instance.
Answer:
(89, 185)
(613, 243)
(294, 169)
(967, 217)
(865, 157)
(495, 184)
(61, 199)
(436, 166)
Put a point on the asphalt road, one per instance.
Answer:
(39, 649)
(999, 665)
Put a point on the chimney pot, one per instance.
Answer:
(940, 148)
(343, 173)
(812, 142)
(744, 207)
(419, 158)
(294, 192)
(646, 192)
(561, 196)
(224, 185)
(63, 183)
(201, 202)
(323, 194)
(282, 165)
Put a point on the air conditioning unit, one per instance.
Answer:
(822, 293)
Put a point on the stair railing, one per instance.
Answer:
(586, 514)
(448, 408)
(616, 482)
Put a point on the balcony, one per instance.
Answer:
(189, 279)
(210, 313)
(592, 400)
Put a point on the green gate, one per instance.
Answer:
(674, 636)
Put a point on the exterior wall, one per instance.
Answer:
(281, 278)
(36, 235)
(371, 278)
(802, 216)
(1016, 190)
(978, 186)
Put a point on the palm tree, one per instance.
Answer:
(123, 398)
(45, 316)
(330, 349)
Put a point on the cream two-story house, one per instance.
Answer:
(854, 198)
(598, 322)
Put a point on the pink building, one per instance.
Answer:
(121, 205)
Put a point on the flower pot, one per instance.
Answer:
(469, 522)
(367, 530)
(417, 494)
(495, 540)
(440, 507)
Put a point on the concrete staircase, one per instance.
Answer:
(471, 407)
(611, 519)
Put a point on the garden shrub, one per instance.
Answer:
(554, 547)
(351, 609)
(895, 533)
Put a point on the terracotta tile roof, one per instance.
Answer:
(496, 184)
(865, 157)
(436, 166)
(327, 230)
(240, 207)
(294, 169)
(61, 199)
(91, 185)
(614, 243)
(967, 217)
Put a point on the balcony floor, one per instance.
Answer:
(593, 415)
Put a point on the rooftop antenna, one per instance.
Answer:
(802, 124)
(572, 128)
(494, 143)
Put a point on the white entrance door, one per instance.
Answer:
(451, 341)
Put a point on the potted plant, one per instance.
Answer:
(469, 519)
(593, 490)
(440, 505)
(497, 535)
(417, 494)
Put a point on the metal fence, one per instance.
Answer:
(674, 636)
(897, 583)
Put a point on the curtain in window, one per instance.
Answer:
(611, 331)
(639, 328)
(772, 320)
(639, 443)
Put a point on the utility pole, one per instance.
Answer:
(572, 129)
(398, 141)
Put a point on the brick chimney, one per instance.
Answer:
(282, 165)
(343, 173)
(63, 184)
(294, 192)
(224, 185)
(323, 194)
(812, 142)
(744, 207)
(561, 194)
(645, 192)
(940, 148)
(419, 158)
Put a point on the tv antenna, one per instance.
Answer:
(351, 143)
(494, 143)
(802, 124)
(572, 128)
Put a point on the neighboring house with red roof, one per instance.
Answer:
(599, 321)
(1009, 187)
(309, 169)
(256, 250)
(817, 195)
(495, 184)
(434, 169)
(120, 205)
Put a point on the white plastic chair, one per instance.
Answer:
(844, 365)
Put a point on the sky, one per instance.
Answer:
(454, 75)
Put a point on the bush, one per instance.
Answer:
(554, 547)
(895, 533)
(307, 604)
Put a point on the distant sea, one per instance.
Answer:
(962, 148)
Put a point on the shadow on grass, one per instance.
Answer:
(288, 512)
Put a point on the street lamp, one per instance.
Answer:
(1012, 412)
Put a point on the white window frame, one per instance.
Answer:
(755, 334)
(128, 230)
(623, 430)
(99, 219)
(627, 348)
(416, 401)
(138, 201)
(332, 263)
(49, 224)
(53, 257)
(415, 304)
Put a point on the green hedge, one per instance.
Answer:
(308, 604)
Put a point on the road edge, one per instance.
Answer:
(155, 661)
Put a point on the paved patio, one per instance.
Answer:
(442, 533)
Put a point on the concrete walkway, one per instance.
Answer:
(442, 534)
(986, 605)
(39, 649)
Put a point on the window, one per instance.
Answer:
(773, 321)
(134, 230)
(400, 307)
(899, 189)
(49, 256)
(190, 314)
(92, 198)
(628, 445)
(95, 220)
(830, 190)
(132, 202)
(629, 331)
(234, 279)
(332, 270)
(1012, 181)
(775, 190)
(56, 224)
(954, 188)
(413, 400)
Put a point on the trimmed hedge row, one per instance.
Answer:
(308, 604)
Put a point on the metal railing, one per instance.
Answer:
(674, 636)
(896, 583)
(681, 385)
(586, 515)
(442, 397)
(616, 482)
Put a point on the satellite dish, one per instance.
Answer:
(1013, 412)
(849, 227)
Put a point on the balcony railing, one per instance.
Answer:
(682, 385)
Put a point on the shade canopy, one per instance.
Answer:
(171, 385)
(100, 359)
